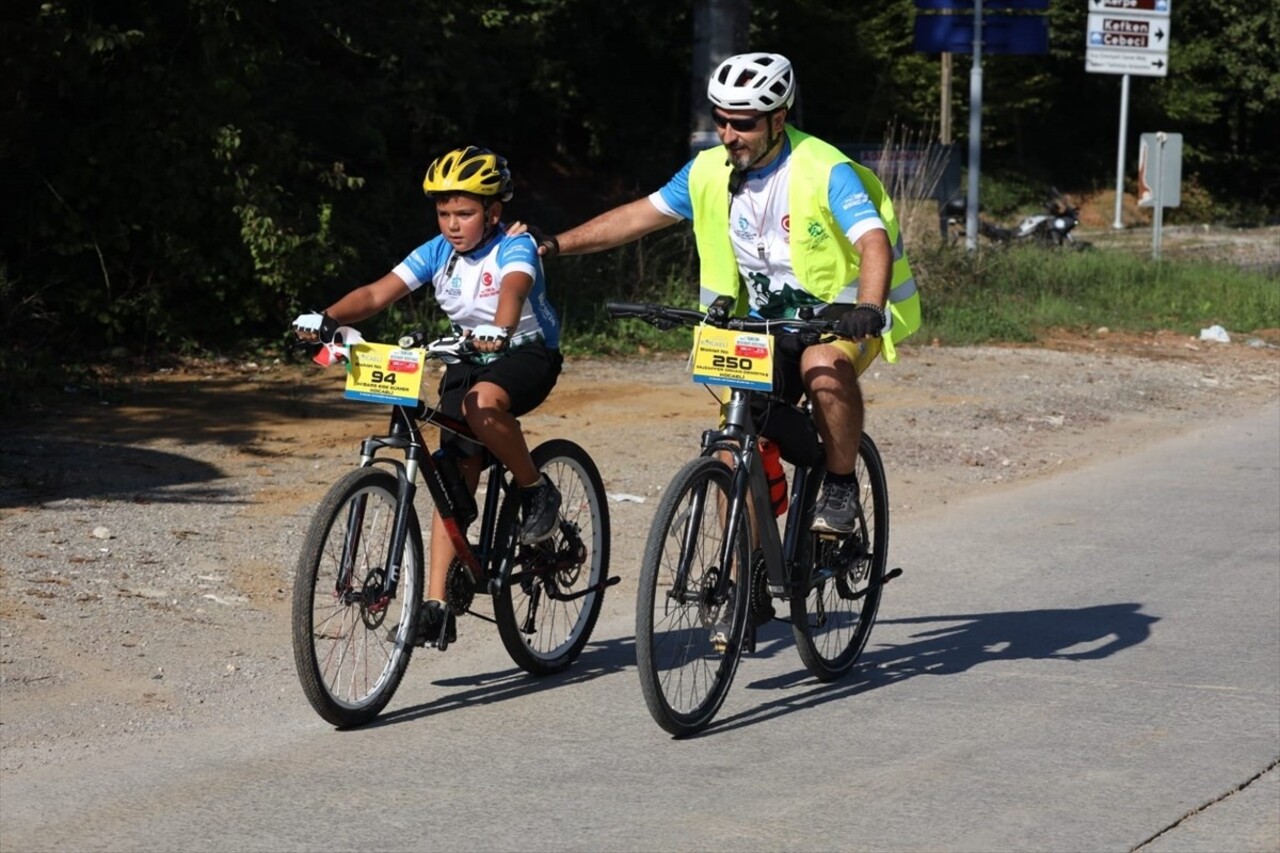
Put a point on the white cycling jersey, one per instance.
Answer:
(467, 284)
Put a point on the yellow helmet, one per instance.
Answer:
(469, 170)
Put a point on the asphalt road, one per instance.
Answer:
(1090, 662)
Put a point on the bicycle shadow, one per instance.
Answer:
(597, 659)
(960, 643)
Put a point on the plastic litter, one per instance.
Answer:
(1215, 333)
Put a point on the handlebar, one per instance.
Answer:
(669, 317)
(449, 349)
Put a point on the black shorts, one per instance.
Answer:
(527, 373)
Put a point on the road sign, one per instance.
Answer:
(1149, 7)
(1005, 34)
(1126, 62)
(1159, 179)
(1129, 32)
(1160, 169)
(1128, 37)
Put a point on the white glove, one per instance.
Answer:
(487, 333)
(319, 324)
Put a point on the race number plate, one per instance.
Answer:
(736, 359)
(383, 373)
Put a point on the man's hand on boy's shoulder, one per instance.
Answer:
(548, 245)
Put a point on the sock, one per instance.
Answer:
(841, 479)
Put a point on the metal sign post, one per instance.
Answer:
(1127, 37)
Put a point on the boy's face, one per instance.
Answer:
(463, 219)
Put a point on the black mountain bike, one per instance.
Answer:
(359, 584)
(710, 569)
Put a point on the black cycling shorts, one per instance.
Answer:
(527, 373)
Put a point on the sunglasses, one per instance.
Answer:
(742, 125)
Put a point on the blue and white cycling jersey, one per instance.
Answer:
(467, 285)
(760, 223)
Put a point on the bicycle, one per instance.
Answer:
(359, 584)
(710, 569)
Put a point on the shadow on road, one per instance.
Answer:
(959, 643)
(597, 659)
(34, 471)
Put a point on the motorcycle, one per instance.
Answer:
(1051, 229)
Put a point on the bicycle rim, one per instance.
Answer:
(684, 675)
(546, 613)
(833, 620)
(351, 648)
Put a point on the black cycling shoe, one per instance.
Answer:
(435, 620)
(541, 505)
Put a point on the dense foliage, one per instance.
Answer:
(188, 175)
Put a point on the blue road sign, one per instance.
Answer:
(1013, 34)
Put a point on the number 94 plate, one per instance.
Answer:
(384, 373)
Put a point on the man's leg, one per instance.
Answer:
(830, 373)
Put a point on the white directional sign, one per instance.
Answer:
(1128, 37)
(1129, 32)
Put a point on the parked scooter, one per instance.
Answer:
(1051, 229)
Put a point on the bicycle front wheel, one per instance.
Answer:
(832, 621)
(688, 634)
(351, 644)
(547, 610)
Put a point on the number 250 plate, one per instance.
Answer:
(383, 373)
(736, 359)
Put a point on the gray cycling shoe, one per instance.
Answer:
(837, 508)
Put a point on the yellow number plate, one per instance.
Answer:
(736, 359)
(382, 373)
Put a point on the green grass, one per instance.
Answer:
(1014, 294)
(994, 296)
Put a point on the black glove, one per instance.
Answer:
(864, 321)
(548, 245)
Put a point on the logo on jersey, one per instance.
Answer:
(744, 229)
(455, 286)
(487, 287)
(786, 222)
(855, 200)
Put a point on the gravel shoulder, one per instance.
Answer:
(147, 545)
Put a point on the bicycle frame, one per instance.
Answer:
(738, 437)
(404, 435)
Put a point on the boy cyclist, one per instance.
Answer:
(491, 286)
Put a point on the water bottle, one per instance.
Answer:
(455, 485)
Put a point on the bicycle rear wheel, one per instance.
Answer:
(832, 621)
(684, 675)
(546, 613)
(351, 646)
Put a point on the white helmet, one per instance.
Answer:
(753, 81)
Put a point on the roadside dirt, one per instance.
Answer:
(147, 542)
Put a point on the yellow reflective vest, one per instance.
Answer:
(825, 263)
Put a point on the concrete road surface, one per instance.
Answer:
(1086, 663)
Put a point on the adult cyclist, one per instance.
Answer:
(491, 286)
(785, 221)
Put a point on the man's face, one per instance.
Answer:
(746, 134)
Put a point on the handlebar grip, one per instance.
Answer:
(630, 309)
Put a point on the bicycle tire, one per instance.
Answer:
(683, 676)
(549, 607)
(351, 650)
(833, 619)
